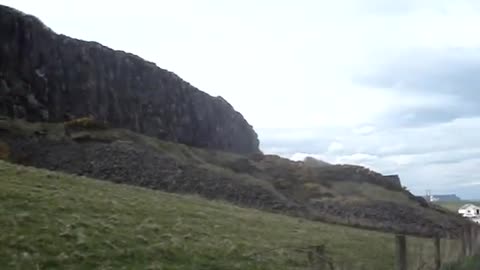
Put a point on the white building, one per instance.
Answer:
(470, 211)
(476, 220)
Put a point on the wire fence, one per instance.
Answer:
(408, 253)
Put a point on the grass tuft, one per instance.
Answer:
(57, 221)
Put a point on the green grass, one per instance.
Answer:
(56, 221)
(467, 264)
(348, 190)
(454, 206)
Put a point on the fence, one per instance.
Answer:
(469, 246)
(443, 251)
(408, 253)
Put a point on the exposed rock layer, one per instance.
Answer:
(49, 77)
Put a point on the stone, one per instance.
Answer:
(19, 112)
(60, 76)
(32, 101)
(394, 179)
(4, 89)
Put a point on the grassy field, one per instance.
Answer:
(56, 221)
(454, 206)
(467, 264)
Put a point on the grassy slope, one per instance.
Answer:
(467, 264)
(454, 206)
(56, 221)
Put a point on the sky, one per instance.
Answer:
(391, 85)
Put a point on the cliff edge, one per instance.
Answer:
(49, 77)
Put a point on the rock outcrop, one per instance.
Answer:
(395, 179)
(49, 77)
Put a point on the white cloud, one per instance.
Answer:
(439, 157)
(401, 160)
(335, 147)
(357, 158)
(302, 156)
(470, 184)
(364, 130)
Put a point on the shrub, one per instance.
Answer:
(4, 151)
(86, 123)
(309, 186)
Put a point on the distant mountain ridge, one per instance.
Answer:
(49, 77)
(443, 198)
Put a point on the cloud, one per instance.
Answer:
(302, 156)
(438, 85)
(364, 130)
(441, 157)
(335, 147)
(357, 158)
(470, 184)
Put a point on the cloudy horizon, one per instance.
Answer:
(390, 85)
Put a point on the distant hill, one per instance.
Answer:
(455, 205)
(443, 198)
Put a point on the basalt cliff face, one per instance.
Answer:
(49, 77)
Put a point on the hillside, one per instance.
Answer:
(342, 194)
(51, 78)
(180, 181)
(51, 220)
(454, 206)
(82, 108)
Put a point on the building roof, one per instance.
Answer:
(447, 197)
(468, 205)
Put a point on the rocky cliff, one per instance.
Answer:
(49, 77)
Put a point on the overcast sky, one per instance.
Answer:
(392, 85)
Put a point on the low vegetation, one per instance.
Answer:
(467, 264)
(56, 221)
(88, 122)
(343, 194)
(454, 206)
(4, 151)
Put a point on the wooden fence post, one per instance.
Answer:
(317, 257)
(464, 238)
(401, 252)
(474, 237)
(438, 261)
(467, 241)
